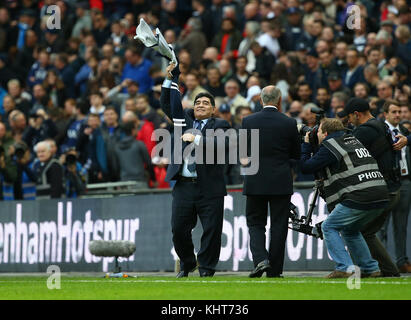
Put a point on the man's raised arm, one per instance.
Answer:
(170, 98)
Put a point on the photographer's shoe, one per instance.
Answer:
(336, 274)
(405, 268)
(262, 267)
(375, 274)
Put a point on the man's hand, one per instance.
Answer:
(401, 143)
(125, 83)
(72, 168)
(169, 69)
(188, 137)
(307, 137)
(244, 161)
(88, 131)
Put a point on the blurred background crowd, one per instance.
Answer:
(79, 103)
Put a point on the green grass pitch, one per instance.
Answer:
(196, 288)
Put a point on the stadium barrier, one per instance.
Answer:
(37, 234)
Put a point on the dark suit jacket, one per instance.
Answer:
(210, 176)
(279, 142)
(357, 76)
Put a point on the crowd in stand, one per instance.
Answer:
(79, 102)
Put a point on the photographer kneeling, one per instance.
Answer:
(355, 193)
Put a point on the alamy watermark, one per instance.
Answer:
(54, 17)
(220, 147)
(54, 280)
(354, 17)
(354, 281)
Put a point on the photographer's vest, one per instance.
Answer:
(355, 178)
(43, 190)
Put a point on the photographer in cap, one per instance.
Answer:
(74, 173)
(355, 193)
(377, 139)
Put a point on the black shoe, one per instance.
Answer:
(273, 275)
(206, 274)
(262, 267)
(390, 275)
(184, 273)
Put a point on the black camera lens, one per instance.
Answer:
(19, 153)
(71, 159)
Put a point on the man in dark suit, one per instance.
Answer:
(200, 187)
(400, 212)
(279, 142)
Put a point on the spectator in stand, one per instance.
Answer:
(112, 134)
(21, 98)
(323, 100)
(17, 123)
(193, 40)
(118, 98)
(133, 158)
(304, 92)
(83, 21)
(101, 29)
(227, 40)
(147, 113)
(241, 74)
(252, 28)
(145, 130)
(265, 61)
(40, 128)
(384, 90)
(92, 149)
(48, 172)
(137, 68)
(75, 125)
(96, 104)
(55, 88)
(361, 91)
(213, 84)
(233, 97)
(354, 73)
(66, 73)
(193, 89)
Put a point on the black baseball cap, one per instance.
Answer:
(333, 76)
(354, 104)
(401, 69)
(224, 108)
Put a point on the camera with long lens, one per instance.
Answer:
(303, 129)
(19, 150)
(71, 159)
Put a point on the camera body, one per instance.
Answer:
(71, 159)
(19, 150)
(303, 129)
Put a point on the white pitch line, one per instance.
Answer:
(211, 281)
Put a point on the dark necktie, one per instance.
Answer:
(192, 167)
(398, 152)
(395, 134)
